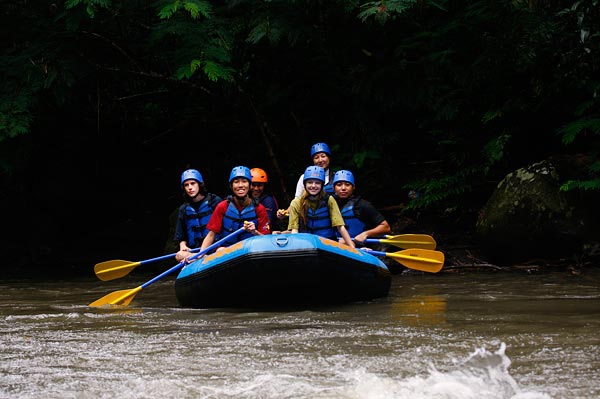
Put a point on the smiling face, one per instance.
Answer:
(257, 189)
(321, 159)
(240, 187)
(343, 189)
(313, 186)
(191, 187)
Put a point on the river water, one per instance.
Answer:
(435, 336)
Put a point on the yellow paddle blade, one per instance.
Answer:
(120, 298)
(113, 269)
(419, 259)
(410, 241)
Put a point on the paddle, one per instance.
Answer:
(424, 260)
(123, 297)
(422, 241)
(113, 269)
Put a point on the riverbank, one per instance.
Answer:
(141, 239)
(456, 238)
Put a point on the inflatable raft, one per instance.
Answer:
(282, 270)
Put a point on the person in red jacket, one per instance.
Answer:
(238, 210)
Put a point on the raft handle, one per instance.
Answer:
(281, 241)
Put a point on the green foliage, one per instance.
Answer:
(15, 118)
(212, 70)
(196, 9)
(582, 132)
(34, 71)
(266, 30)
(579, 127)
(359, 158)
(385, 10)
(447, 190)
(203, 46)
(592, 184)
(443, 190)
(91, 7)
(440, 97)
(494, 150)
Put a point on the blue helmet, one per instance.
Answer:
(343, 175)
(191, 174)
(240, 171)
(319, 147)
(314, 172)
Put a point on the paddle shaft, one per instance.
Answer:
(393, 255)
(113, 269)
(169, 256)
(123, 297)
(183, 262)
(395, 241)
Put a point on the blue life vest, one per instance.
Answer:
(319, 220)
(270, 204)
(351, 218)
(234, 219)
(196, 221)
(328, 188)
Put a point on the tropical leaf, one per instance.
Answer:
(494, 149)
(384, 10)
(574, 129)
(195, 8)
(90, 6)
(592, 184)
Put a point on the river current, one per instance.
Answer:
(448, 336)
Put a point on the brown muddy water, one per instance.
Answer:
(435, 336)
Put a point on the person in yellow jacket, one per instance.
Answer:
(316, 211)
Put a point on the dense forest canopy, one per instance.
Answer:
(103, 103)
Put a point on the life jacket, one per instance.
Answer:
(196, 221)
(234, 219)
(328, 188)
(351, 215)
(270, 204)
(319, 220)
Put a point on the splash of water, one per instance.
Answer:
(482, 375)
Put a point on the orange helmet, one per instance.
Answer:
(259, 175)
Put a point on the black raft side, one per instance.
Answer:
(282, 278)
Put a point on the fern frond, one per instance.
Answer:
(592, 184)
(444, 189)
(494, 149)
(90, 6)
(269, 29)
(570, 132)
(212, 70)
(384, 10)
(195, 8)
(215, 71)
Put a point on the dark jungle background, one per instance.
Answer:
(104, 103)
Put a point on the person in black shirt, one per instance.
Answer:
(360, 216)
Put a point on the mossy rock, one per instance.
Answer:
(528, 216)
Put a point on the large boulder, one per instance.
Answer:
(528, 217)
